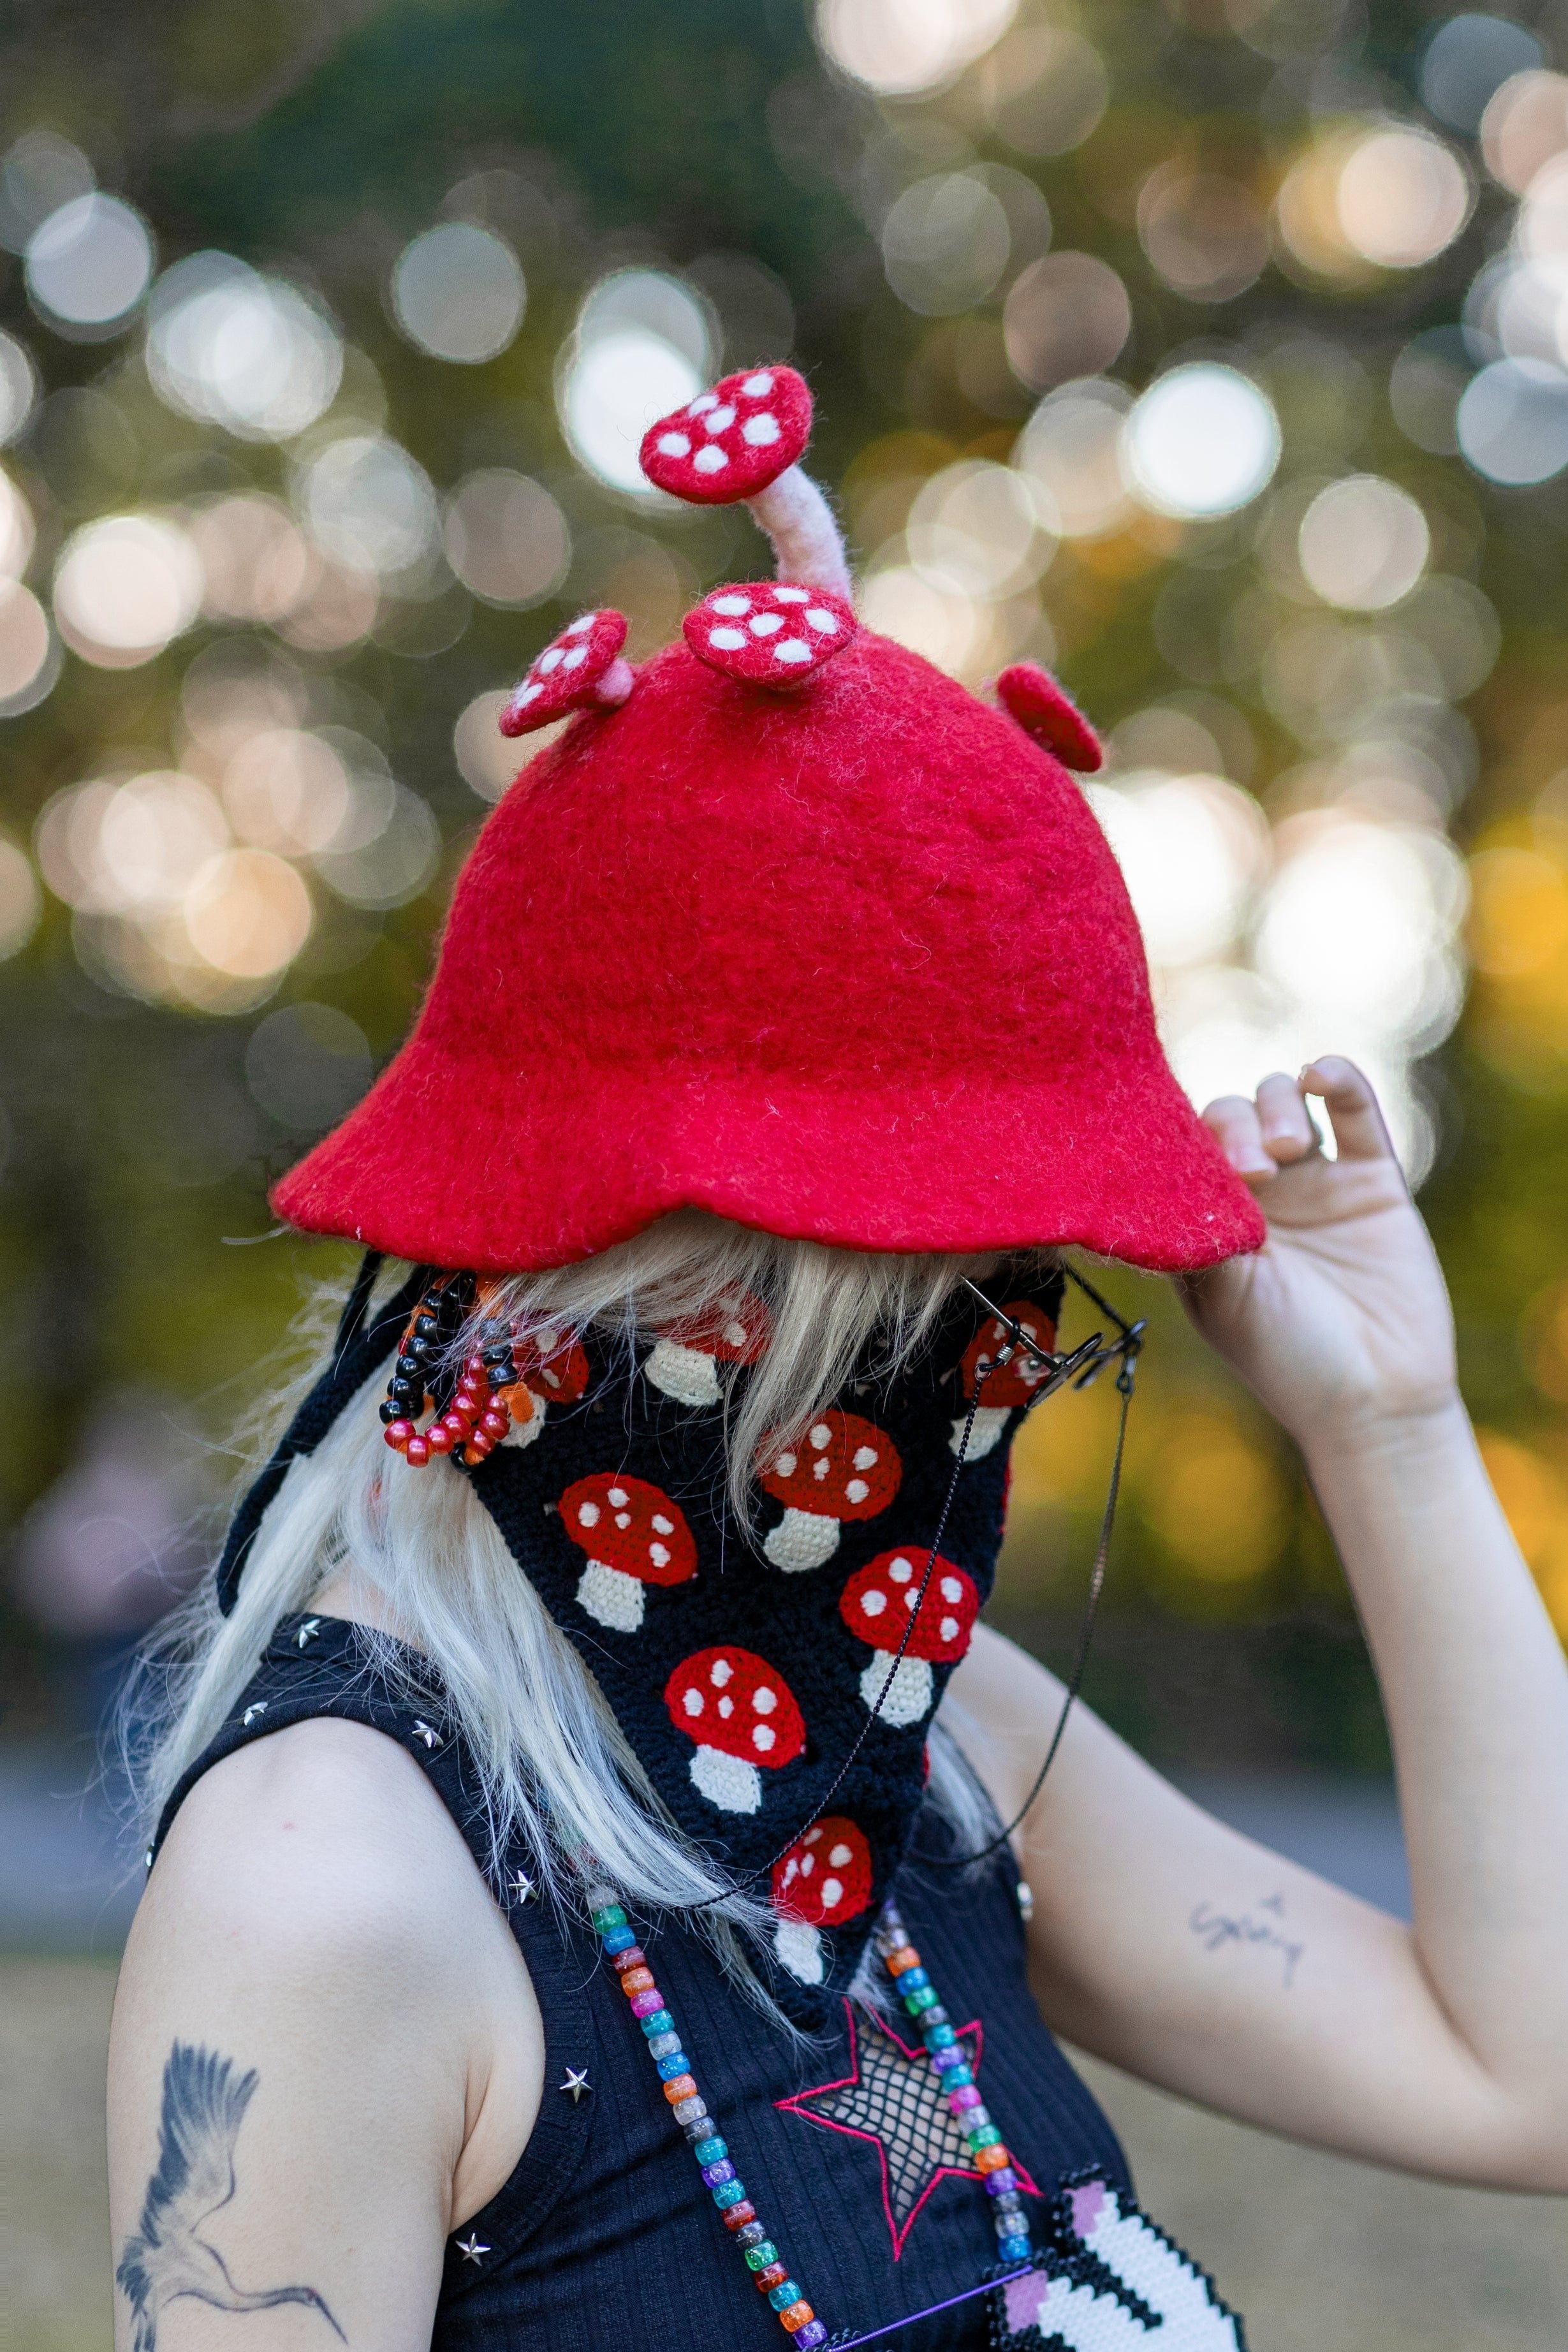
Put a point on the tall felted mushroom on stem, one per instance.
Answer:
(739, 442)
(875, 1604)
(823, 1880)
(843, 1468)
(1002, 1387)
(634, 1536)
(684, 1360)
(741, 1714)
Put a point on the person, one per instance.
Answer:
(603, 1888)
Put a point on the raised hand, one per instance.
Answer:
(1340, 1321)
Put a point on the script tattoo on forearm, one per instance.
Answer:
(1216, 1928)
(204, 2100)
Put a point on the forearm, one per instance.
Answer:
(1477, 1696)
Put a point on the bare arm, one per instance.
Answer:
(326, 2054)
(1184, 1952)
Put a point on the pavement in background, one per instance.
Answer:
(69, 1882)
(1322, 2255)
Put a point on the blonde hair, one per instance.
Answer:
(422, 1553)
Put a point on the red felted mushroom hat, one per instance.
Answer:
(790, 927)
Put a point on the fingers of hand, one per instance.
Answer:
(1284, 1120)
(1359, 1130)
(1233, 1122)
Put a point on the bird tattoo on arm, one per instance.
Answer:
(204, 2102)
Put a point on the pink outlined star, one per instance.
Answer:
(893, 2096)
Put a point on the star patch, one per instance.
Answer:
(892, 2097)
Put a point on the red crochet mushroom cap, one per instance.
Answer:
(736, 1332)
(876, 1602)
(632, 1526)
(855, 965)
(843, 1469)
(1015, 1381)
(769, 632)
(825, 1877)
(1043, 710)
(731, 1699)
(564, 676)
(731, 442)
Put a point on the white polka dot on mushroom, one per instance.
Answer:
(758, 387)
(674, 444)
(766, 624)
(730, 641)
(762, 431)
(711, 460)
(826, 624)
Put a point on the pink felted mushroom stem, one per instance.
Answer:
(807, 546)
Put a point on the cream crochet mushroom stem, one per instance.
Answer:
(799, 1949)
(803, 1539)
(728, 1782)
(807, 546)
(990, 1419)
(909, 1694)
(684, 1373)
(610, 1596)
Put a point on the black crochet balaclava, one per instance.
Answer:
(744, 1668)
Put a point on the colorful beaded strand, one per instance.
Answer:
(985, 2146)
(769, 2270)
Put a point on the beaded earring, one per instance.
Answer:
(473, 1414)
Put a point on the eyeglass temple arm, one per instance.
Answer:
(1127, 1345)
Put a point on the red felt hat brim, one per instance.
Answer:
(854, 965)
(600, 1155)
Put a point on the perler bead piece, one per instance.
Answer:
(1034, 697)
(769, 632)
(581, 666)
(731, 442)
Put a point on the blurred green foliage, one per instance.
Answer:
(316, 142)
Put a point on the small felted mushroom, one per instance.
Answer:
(739, 442)
(769, 633)
(742, 1715)
(578, 671)
(822, 1881)
(843, 1468)
(875, 1605)
(1034, 697)
(1007, 1386)
(684, 1360)
(633, 1535)
(551, 1368)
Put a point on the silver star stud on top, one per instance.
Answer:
(522, 1888)
(257, 1706)
(308, 1631)
(470, 2248)
(576, 2082)
(422, 1731)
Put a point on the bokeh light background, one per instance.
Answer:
(1214, 353)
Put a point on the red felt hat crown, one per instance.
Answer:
(837, 950)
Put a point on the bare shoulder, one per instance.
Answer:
(319, 1978)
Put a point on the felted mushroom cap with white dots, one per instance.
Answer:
(825, 944)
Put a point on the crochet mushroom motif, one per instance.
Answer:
(634, 1536)
(1008, 1385)
(1034, 699)
(743, 1717)
(578, 671)
(874, 1605)
(685, 1358)
(769, 633)
(843, 1468)
(733, 441)
(551, 1370)
(823, 1879)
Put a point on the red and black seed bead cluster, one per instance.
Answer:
(472, 1416)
